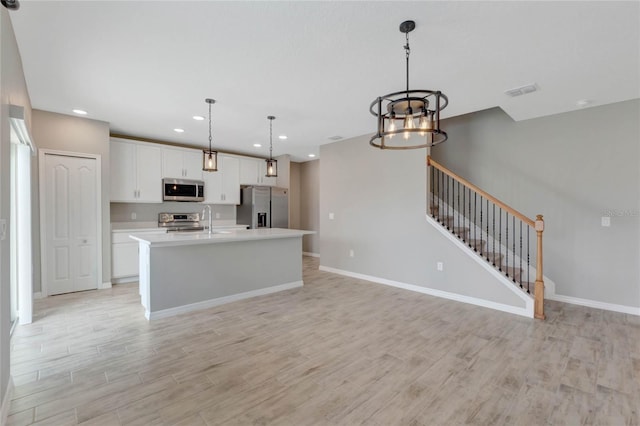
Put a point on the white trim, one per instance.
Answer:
(632, 310)
(6, 402)
(105, 285)
(307, 253)
(38, 295)
(527, 311)
(124, 280)
(43, 258)
(219, 301)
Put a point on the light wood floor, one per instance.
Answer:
(337, 351)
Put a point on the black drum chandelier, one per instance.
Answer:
(418, 112)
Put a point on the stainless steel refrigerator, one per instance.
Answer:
(263, 207)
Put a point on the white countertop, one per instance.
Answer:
(231, 235)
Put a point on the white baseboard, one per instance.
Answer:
(219, 301)
(38, 295)
(525, 312)
(104, 285)
(125, 280)
(306, 253)
(595, 304)
(6, 401)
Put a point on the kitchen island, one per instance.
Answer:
(182, 272)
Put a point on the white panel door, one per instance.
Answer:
(71, 227)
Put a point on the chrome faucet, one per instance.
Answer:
(207, 209)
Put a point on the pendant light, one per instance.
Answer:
(406, 107)
(209, 156)
(272, 165)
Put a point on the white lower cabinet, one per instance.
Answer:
(124, 254)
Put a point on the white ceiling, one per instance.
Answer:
(146, 67)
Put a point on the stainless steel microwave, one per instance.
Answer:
(182, 190)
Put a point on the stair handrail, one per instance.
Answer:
(537, 225)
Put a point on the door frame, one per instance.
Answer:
(43, 211)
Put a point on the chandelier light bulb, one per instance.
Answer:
(392, 125)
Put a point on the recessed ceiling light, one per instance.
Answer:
(335, 138)
(178, 130)
(283, 137)
(257, 145)
(80, 111)
(312, 155)
(198, 117)
(583, 103)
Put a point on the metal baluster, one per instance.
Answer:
(475, 210)
(464, 203)
(438, 192)
(458, 205)
(521, 254)
(433, 197)
(500, 239)
(506, 251)
(513, 243)
(487, 229)
(481, 198)
(469, 217)
(493, 239)
(528, 260)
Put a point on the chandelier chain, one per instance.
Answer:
(407, 53)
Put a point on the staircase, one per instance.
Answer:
(505, 238)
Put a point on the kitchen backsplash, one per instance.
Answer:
(125, 212)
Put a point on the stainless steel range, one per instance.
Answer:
(180, 222)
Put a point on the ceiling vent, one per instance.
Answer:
(518, 91)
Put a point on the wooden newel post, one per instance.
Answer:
(538, 306)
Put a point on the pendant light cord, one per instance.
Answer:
(408, 51)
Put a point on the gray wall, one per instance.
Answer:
(309, 204)
(379, 206)
(13, 90)
(74, 134)
(573, 168)
(294, 195)
(121, 212)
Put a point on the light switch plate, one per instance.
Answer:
(331, 216)
(606, 221)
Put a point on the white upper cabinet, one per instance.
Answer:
(223, 186)
(135, 172)
(181, 163)
(253, 171)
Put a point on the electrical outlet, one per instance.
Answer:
(351, 253)
(440, 266)
(217, 215)
(133, 215)
(606, 221)
(3, 229)
(331, 216)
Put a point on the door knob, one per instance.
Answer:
(84, 241)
